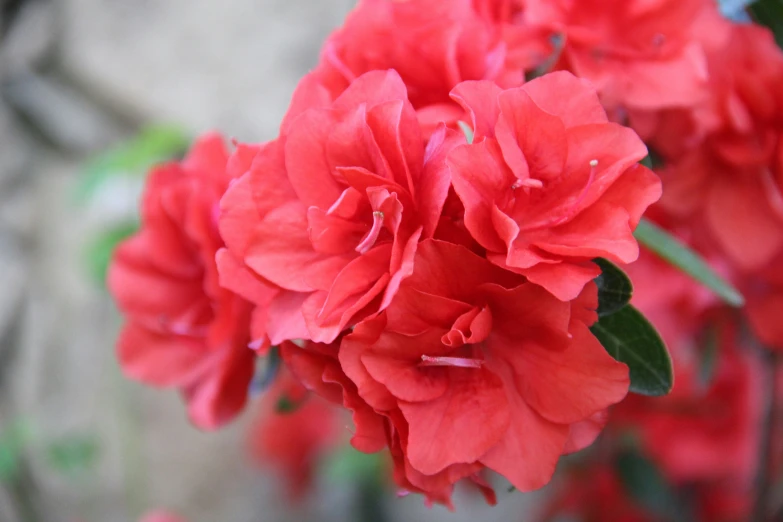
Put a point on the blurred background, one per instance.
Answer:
(91, 93)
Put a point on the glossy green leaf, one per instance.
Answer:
(134, 157)
(631, 339)
(647, 486)
(675, 252)
(614, 288)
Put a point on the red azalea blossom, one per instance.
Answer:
(726, 165)
(317, 368)
(294, 430)
(333, 210)
(639, 54)
(596, 494)
(549, 183)
(707, 427)
(764, 292)
(704, 429)
(183, 330)
(433, 45)
(514, 375)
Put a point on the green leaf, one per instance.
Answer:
(101, 249)
(13, 440)
(631, 339)
(351, 465)
(675, 252)
(134, 157)
(614, 288)
(769, 13)
(646, 485)
(73, 454)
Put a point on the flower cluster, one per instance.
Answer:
(418, 244)
(436, 283)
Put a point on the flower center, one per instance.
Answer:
(372, 236)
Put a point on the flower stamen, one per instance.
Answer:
(457, 362)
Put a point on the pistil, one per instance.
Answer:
(372, 236)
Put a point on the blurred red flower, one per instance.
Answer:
(725, 155)
(639, 54)
(595, 494)
(513, 376)
(549, 184)
(764, 292)
(332, 211)
(293, 431)
(707, 428)
(182, 329)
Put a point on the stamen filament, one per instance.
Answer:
(458, 362)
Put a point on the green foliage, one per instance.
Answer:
(132, 158)
(769, 13)
(350, 465)
(13, 440)
(74, 454)
(614, 288)
(100, 249)
(675, 252)
(631, 339)
(647, 486)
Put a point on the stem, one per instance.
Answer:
(764, 471)
(22, 490)
(371, 507)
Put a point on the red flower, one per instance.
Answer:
(707, 427)
(433, 45)
(764, 292)
(596, 494)
(333, 210)
(702, 431)
(475, 368)
(726, 173)
(318, 370)
(293, 441)
(549, 183)
(638, 53)
(183, 330)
